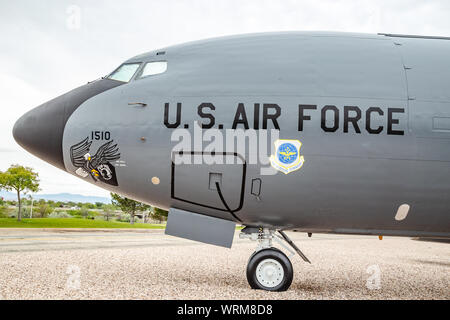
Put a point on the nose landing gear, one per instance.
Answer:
(268, 267)
(270, 270)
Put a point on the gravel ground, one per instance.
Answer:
(46, 264)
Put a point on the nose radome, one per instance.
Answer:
(40, 131)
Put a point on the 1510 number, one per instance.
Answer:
(100, 135)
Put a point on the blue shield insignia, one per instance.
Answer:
(287, 157)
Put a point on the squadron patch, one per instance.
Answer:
(98, 166)
(287, 157)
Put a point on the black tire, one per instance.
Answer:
(265, 254)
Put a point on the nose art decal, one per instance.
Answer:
(99, 166)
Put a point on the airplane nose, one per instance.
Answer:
(40, 131)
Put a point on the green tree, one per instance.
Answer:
(44, 210)
(84, 212)
(3, 208)
(99, 205)
(108, 210)
(88, 205)
(159, 214)
(20, 179)
(128, 205)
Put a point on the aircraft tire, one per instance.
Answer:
(270, 270)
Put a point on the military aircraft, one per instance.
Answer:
(317, 132)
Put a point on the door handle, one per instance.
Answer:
(137, 104)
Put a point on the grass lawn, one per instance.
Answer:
(71, 223)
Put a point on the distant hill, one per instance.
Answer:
(64, 197)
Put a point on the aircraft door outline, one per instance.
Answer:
(222, 201)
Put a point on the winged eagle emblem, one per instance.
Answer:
(98, 166)
(288, 153)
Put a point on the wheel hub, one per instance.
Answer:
(269, 273)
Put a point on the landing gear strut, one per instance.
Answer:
(268, 267)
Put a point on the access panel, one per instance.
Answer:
(194, 180)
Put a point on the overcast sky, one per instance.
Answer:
(50, 47)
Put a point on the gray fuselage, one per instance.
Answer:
(372, 113)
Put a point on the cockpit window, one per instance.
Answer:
(125, 72)
(153, 68)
